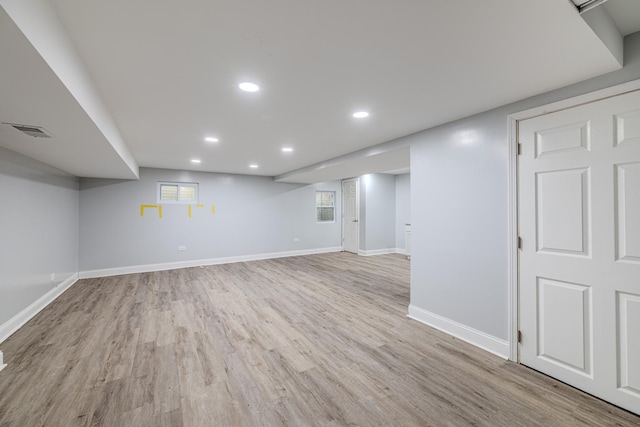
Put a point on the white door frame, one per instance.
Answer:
(357, 181)
(513, 119)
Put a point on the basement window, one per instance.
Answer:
(177, 192)
(325, 206)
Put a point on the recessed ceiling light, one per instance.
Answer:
(360, 114)
(253, 166)
(249, 87)
(196, 161)
(211, 139)
(287, 149)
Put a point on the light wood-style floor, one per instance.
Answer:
(317, 340)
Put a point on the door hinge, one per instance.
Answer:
(519, 242)
(519, 148)
(519, 336)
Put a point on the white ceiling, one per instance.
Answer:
(167, 74)
(626, 14)
(30, 93)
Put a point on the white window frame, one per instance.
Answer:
(334, 207)
(193, 185)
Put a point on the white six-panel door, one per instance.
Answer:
(350, 215)
(579, 265)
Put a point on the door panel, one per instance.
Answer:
(564, 324)
(562, 201)
(579, 264)
(628, 211)
(628, 128)
(572, 137)
(629, 320)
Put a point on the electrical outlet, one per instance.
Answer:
(53, 277)
(182, 248)
(296, 239)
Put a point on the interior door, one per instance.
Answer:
(579, 272)
(350, 215)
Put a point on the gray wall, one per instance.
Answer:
(253, 215)
(39, 229)
(377, 212)
(459, 208)
(403, 208)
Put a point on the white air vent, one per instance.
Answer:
(35, 131)
(585, 5)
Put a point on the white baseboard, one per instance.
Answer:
(373, 252)
(90, 274)
(17, 321)
(2, 364)
(472, 336)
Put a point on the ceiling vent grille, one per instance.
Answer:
(35, 131)
(585, 5)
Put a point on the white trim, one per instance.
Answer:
(472, 336)
(2, 364)
(106, 272)
(512, 128)
(512, 243)
(17, 321)
(577, 100)
(374, 252)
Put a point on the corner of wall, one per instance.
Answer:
(472, 336)
(605, 28)
(17, 321)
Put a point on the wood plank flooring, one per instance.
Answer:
(319, 340)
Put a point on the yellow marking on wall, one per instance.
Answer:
(143, 207)
(190, 209)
